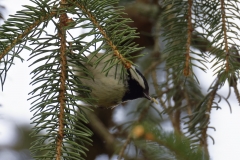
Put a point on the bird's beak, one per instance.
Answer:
(150, 98)
(147, 96)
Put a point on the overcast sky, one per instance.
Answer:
(15, 107)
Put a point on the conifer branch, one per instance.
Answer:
(159, 94)
(63, 73)
(204, 135)
(55, 102)
(129, 137)
(128, 140)
(177, 121)
(225, 34)
(186, 70)
(126, 63)
(26, 32)
(189, 109)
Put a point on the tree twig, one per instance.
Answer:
(142, 115)
(99, 128)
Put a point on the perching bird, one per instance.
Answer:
(110, 90)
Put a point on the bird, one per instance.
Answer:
(112, 89)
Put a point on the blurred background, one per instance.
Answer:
(15, 116)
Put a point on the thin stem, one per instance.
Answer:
(175, 117)
(99, 128)
(225, 33)
(186, 70)
(203, 142)
(126, 63)
(189, 109)
(62, 97)
(129, 138)
(25, 33)
(120, 155)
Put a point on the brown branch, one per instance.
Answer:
(173, 116)
(99, 128)
(225, 33)
(186, 70)
(142, 115)
(62, 97)
(159, 93)
(203, 142)
(126, 63)
(177, 98)
(189, 109)
(120, 155)
(151, 11)
(177, 121)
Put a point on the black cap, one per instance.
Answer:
(137, 85)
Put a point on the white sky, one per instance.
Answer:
(15, 107)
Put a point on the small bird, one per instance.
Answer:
(109, 90)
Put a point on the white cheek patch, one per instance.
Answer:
(137, 77)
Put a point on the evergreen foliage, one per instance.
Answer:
(192, 35)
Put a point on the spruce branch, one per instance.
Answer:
(15, 33)
(177, 20)
(63, 73)
(26, 32)
(157, 144)
(55, 104)
(173, 116)
(186, 70)
(55, 65)
(130, 135)
(99, 128)
(225, 33)
(126, 63)
(124, 146)
(199, 120)
(180, 146)
(204, 135)
(189, 104)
